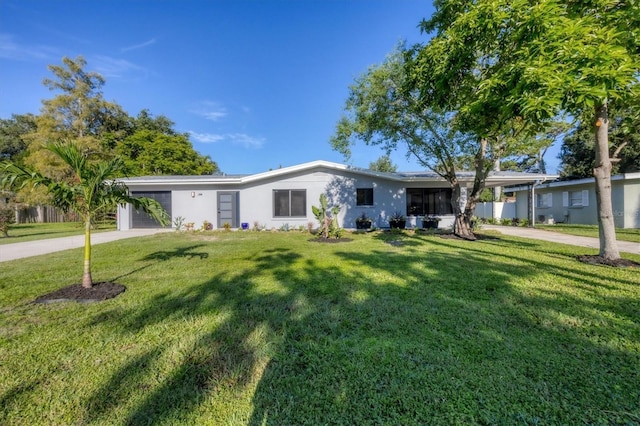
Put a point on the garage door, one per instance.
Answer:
(140, 219)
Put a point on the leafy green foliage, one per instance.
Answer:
(383, 164)
(327, 217)
(577, 153)
(12, 135)
(499, 60)
(385, 108)
(92, 191)
(148, 144)
(7, 217)
(149, 152)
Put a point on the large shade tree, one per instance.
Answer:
(535, 60)
(92, 190)
(384, 109)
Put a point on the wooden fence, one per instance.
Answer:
(43, 214)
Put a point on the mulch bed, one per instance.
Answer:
(598, 260)
(330, 240)
(75, 292)
(479, 237)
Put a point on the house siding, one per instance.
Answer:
(255, 195)
(625, 196)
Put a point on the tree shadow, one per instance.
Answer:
(182, 252)
(410, 335)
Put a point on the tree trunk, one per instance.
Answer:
(87, 282)
(462, 224)
(602, 173)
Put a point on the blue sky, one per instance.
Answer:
(257, 84)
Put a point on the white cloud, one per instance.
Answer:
(11, 49)
(112, 67)
(139, 45)
(241, 139)
(206, 137)
(210, 110)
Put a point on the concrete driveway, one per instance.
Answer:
(556, 237)
(38, 247)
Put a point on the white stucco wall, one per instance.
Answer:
(255, 201)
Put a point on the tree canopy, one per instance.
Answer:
(384, 109)
(496, 60)
(78, 112)
(383, 164)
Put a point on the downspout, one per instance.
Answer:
(533, 200)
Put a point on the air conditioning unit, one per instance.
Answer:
(546, 220)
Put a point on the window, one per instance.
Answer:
(543, 200)
(575, 198)
(426, 201)
(290, 203)
(364, 197)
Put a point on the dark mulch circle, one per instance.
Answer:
(330, 240)
(75, 292)
(617, 263)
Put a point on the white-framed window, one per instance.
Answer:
(575, 198)
(289, 203)
(544, 201)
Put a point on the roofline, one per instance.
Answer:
(582, 181)
(242, 179)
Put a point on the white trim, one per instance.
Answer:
(494, 179)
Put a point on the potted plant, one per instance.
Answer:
(397, 221)
(363, 222)
(430, 222)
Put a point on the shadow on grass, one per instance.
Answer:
(434, 332)
(180, 252)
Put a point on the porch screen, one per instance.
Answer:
(429, 201)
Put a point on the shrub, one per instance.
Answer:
(178, 223)
(7, 217)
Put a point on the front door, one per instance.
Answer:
(228, 209)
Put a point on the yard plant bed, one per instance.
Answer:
(75, 292)
(252, 328)
(618, 263)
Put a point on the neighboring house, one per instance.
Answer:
(284, 196)
(574, 201)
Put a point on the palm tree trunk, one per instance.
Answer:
(602, 173)
(87, 282)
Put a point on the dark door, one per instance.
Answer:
(228, 208)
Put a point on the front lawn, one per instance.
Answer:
(622, 234)
(269, 328)
(41, 231)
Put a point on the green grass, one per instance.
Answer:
(269, 328)
(622, 234)
(40, 231)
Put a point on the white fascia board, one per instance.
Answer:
(180, 180)
(318, 164)
(520, 179)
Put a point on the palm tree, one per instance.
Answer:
(91, 190)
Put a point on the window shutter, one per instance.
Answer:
(565, 199)
(549, 199)
(585, 197)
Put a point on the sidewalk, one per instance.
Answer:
(38, 247)
(556, 237)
